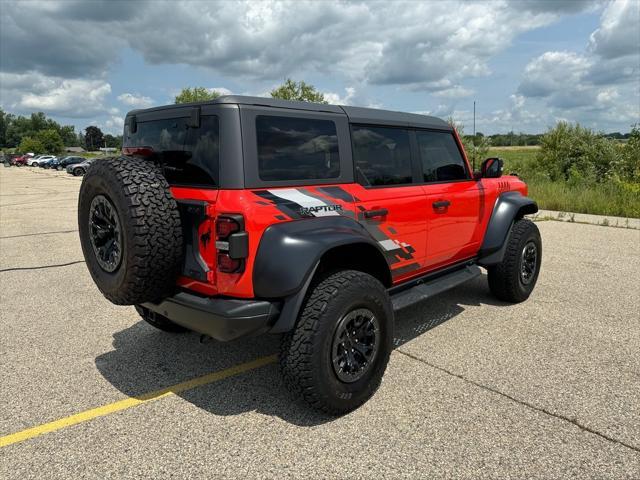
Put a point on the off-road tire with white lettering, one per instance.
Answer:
(305, 354)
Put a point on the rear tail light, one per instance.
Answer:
(226, 226)
(226, 264)
(232, 243)
(138, 151)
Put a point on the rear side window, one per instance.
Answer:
(292, 148)
(382, 155)
(189, 155)
(441, 159)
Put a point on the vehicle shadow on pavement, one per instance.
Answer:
(145, 360)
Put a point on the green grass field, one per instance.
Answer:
(609, 198)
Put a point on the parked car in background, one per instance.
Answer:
(34, 159)
(20, 161)
(46, 163)
(63, 163)
(41, 160)
(9, 159)
(80, 169)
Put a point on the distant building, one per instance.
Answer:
(108, 150)
(74, 149)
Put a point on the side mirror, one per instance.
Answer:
(492, 168)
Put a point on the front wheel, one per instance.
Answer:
(513, 279)
(77, 172)
(337, 354)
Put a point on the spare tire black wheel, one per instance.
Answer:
(130, 230)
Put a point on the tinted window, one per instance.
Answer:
(297, 148)
(440, 156)
(188, 155)
(382, 155)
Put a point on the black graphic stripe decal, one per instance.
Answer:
(339, 193)
(396, 272)
(289, 208)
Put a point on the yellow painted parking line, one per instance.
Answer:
(133, 401)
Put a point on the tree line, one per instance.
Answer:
(38, 134)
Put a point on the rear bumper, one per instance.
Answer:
(221, 318)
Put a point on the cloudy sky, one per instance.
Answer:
(527, 63)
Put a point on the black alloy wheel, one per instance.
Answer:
(528, 263)
(105, 233)
(355, 344)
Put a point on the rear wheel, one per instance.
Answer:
(514, 278)
(160, 322)
(337, 354)
(77, 172)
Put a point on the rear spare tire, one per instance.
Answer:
(130, 230)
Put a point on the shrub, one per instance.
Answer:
(628, 165)
(575, 154)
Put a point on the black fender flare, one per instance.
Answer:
(509, 206)
(289, 254)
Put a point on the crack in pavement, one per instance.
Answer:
(523, 403)
(13, 269)
(34, 234)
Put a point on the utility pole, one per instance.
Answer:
(474, 121)
(474, 136)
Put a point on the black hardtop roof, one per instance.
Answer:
(371, 116)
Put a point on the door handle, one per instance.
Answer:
(441, 204)
(381, 212)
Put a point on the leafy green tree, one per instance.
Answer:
(301, 91)
(196, 94)
(18, 127)
(93, 138)
(50, 140)
(112, 141)
(31, 145)
(80, 140)
(5, 119)
(68, 134)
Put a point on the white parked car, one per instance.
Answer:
(33, 158)
(40, 160)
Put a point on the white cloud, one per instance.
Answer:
(221, 90)
(619, 31)
(137, 101)
(454, 92)
(405, 43)
(114, 125)
(598, 86)
(54, 95)
(337, 99)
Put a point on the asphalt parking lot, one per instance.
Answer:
(475, 388)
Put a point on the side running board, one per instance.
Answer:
(433, 287)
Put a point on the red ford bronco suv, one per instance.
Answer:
(244, 215)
